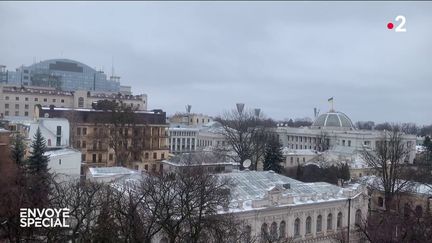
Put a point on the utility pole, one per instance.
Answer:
(349, 218)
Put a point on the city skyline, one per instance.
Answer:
(285, 58)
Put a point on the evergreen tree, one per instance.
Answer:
(273, 155)
(18, 151)
(344, 172)
(38, 172)
(299, 173)
(427, 143)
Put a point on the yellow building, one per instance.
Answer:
(139, 145)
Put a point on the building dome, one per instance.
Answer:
(333, 120)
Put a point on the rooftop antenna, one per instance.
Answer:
(316, 112)
(188, 108)
(112, 66)
(331, 102)
(240, 107)
(257, 112)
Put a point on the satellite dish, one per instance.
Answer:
(247, 163)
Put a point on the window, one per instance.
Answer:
(17, 98)
(264, 232)
(329, 221)
(407, 210)
(16, 106)
(36, 99)
(163, 156)
(146, 167)
(339, 220)
(78, 131)
(419, 211)
(110, 156)
(26, 106)
(297, 227)
(349, 143)
(6, 113)
(45, 99)
(358, 217)
(49, 142)
(84, 144)
(94, 158)
(62, 101)
(282, 229)
(26, 113)
(78, 143)
(319, 224)
(308, 225)
(99, 158)
(59, 161)
(83, 157)
(54, 100)
(153, 167)
(16, 113)
(84, 131)
(146, 155)
(343, 142)
(80, 102)
(273, 231)
(6, 106)
(58, 141)
(154, 155)
(248, 233)
(380, 202)
(7, 98)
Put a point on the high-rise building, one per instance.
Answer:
(62, 74)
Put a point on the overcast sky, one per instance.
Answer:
(283, 57)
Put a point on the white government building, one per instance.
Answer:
(333, 130)
(274, 206)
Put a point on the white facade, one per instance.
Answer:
(294, 157)
(279, 206)
(55, 131)
(65, 163)
(185, 139)
(325, 132)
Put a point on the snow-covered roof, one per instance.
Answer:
(110, 171)
(287, 151)
(410, 186)
(252, 188)
(59, 152)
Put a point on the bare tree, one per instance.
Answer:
(387, 161)
(246, 134)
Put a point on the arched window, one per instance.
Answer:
(407, 210)
(380, 202)
(339, 220)
(358, 217)
(297, 227)
(319, 223)
(308, 225)
(282, 229)
(273, 231)
(419, 211)
(164, 240)
(248, 234)
(329, 221)
(264, 232)
(80, 102)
